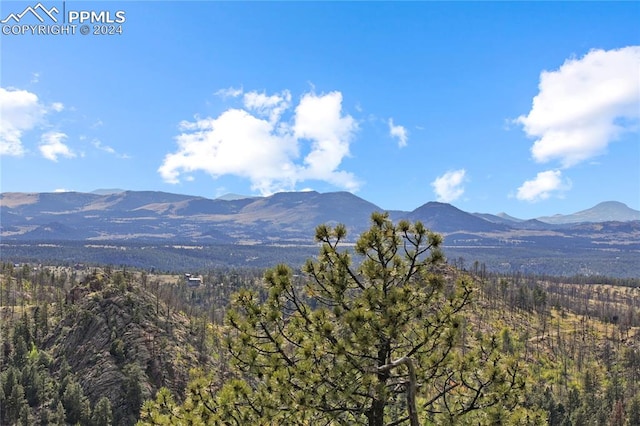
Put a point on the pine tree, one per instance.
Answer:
(132, 388)
(76, 405)
(379, 343)
(59, 416)
(16, 404)
(102, 415)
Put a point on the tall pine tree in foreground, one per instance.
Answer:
(379, 341)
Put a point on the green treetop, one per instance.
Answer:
(379, 341)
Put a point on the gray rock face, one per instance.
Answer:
(120, 347)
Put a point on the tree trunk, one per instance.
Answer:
(411, 388)
(376, 411)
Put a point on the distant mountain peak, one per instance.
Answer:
(602, 212)
(107, 191)
(504, 215)
(233, 197)
(611, 204)
(443, 217)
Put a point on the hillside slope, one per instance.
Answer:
(111, 336)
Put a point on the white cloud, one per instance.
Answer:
(234, 143)
(543, 186)
(106, 148)
(584, 105)
(266, 149)
(320, 120)
(448, 187)
(398, 132)
(20, 111)
(268, 106)
(229, 92)
(52, 146)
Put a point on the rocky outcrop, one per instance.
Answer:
(121, 343)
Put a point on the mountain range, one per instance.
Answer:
(289, 219)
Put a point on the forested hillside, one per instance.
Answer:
(90, 345)
(90, 350)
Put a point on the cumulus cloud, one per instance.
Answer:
(268, 106)
(584, 106)
(449, 186)
(52, 146)
(258, 144)
(543, 186)
(229, 92)
(319, 119)
(20, 112)
(398, 132)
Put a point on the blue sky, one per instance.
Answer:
(526, 108)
